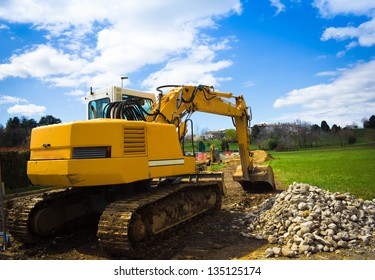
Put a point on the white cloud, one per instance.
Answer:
(195, 68)
(249, 84)
(95, 42)
(42, 62)
(326, 73)
(6, 99)
(341, 33)
(363, 34)
(27, 110)
(331, 8)
(54, 16)
(3, 26)
(280, 7)
(24, 109)
(350, 96)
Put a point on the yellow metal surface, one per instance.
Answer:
(56, 153)
(162, 141)
(60, 133)
(139, 151)
(203, 100)
(174, 167)
(87, 172)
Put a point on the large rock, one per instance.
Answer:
(287, 252)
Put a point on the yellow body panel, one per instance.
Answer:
(87, 172)
(139, 151)
(57, 153)
(78, 134)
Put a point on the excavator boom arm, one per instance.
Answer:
(188, 99)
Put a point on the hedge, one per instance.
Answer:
(14, 169)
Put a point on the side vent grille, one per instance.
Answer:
(134, 141)
(91, 152)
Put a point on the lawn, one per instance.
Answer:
(350, 169)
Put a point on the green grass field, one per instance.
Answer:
(349, 169)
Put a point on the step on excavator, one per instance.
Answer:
(126, 168)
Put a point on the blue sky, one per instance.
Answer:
(291, 59)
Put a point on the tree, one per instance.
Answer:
(315, 128)
(13, 123)
(351, 139)
(203, 132)
(231, 135)
(370, 123)
(273, 143)
(255, 130)
(335, 129)
(303, 133)
(315, 136)
(201, 146)
(224, 145)
(28, 123)
(365, 123)
(48, 119)
(2, 131)
(17, 131)
(324, 126)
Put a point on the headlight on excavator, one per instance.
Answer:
(91, 152)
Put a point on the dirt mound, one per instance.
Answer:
(260, 156)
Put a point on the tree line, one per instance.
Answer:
(300, 134)
(16, 132)
(297, 135)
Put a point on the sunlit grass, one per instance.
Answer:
(337, 170)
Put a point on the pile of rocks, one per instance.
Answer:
(305, 219)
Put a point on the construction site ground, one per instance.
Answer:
(217, 236)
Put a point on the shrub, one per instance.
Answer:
(351, 139)
(272, 143)
(14, 169)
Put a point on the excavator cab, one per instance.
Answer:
(102, 101)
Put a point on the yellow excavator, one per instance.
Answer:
(126, 167)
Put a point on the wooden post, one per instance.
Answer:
(2, 213)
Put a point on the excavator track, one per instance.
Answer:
(34, 217)
(129, 227)
(131, 224)
(21, 209)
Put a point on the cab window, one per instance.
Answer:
(144, 102)
(96, 108)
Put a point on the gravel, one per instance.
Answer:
(306, 219)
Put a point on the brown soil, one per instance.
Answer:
(213, 237)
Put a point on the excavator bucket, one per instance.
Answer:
(260, 180)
